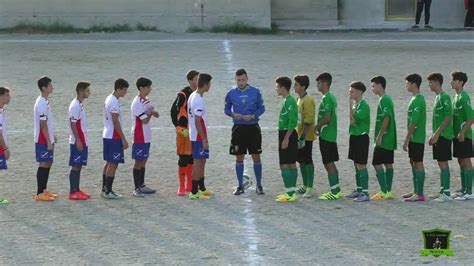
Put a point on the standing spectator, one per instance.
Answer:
(469, 6)
(426, 4)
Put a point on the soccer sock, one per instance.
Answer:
(358, 183)
(181, 177)
(109, 181)
(195, 186)
(104, 182)
(445, 181)
(202, 187)
(420, 180)
(463, 180)
(304, 174)
(189, 177)
(413, 170)
(364, 180)
(41, 180)
(468, 176)
(310, 175)
(382, 180)
(293, 176)
(47, 177)
(142, 177)
(334, 182)
(389, 178)
(239, 171)
(286, 179)
(136, 177)
(74, 181)
(257, 169)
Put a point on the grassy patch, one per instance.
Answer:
(236, 28)
(58, 28)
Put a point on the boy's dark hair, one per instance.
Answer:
(326, 77)
(204, 79)
(43, 82)
(414, 78)
(358, 85)
(143, 82)
(436, 77)
(284, 82)
(240, 72)
(4, 90)
(379, 80)
(303, 80)
(121, 84)
(82, 86)
(458, 75)
(191, 74)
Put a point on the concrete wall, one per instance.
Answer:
(371, 14)
(308, 13)
(168, 15)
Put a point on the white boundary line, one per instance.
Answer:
(236, 40)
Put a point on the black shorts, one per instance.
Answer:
(305, 155)
(416, 151)
(442, 150)
(462, 150)
(329, 151)
(382, 156)
(290, 154)
(246, 138)
(359, 148)
(185, 160)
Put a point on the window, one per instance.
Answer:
(400, 9)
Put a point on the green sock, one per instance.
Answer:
(293, 176)
(468, 176)
(284, 175)
(364, 181)
(414, 179)
(420, 180)
(310, 175)
(304, 174)
(389, 178)
(445, 181)
(382, 181)
(334, 182)
(358, 184)
(463, 180)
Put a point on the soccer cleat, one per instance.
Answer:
(415, 198)
(259, 190)
(206, 193)
(197, 196)
(353, 195)
(428, 27)
(408, 195)
(51, 194)
(111, 195)
(416, 26)
(238, 191)
(458, 193)
(287, 198)
(443, 198)
(44, 197)
(388, 195)
(77, 196)
(138, 193)
(379, 196)
(181, 192)
(362, 198)
(330, 196)
(464, 197)
(309, 193)
(85, 194)
(3, 201)
(146, 190)
(301, 190)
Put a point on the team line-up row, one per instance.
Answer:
(298, 128)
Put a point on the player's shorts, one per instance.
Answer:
(305, 155)
(442, 150)
(416, 151)
(78, 158)
(329, 151)
(3, 162)
(463, 150)
(140, 152)
(290, 154)
(382, 156)
(185, 160)
(246, 139)
(359, 148)
(198, 151)
(113, 151)
(42, 153)
(183, 144)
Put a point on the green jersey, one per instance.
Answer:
(288, 114)
(442, 108)
(386, 109)
(361, 115)
(417, 116)
(462, 112)
(328, 106)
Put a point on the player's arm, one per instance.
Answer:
(146, 118)
(292, 123)
(177, 104)
(228, 106)
(470, 119)
(308, 118)
(3, 145)
(118, 128)
(200, 131)
(383, 129)
(75, 132)
(441, 128)
(44, 129)
(411, 130)
(260, 106)
(325, 121)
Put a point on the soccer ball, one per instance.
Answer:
(247, 182)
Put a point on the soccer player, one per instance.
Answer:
(463, 118)
(385, 140)
(326, 128)
(142, 112)
(306, 135)
(44, 139)
(244, 104)
(179, 117)
(359, 117)
(4, 152)
(78, 141)
(415, 138)
(199, 139)
(114, 140)
(287, 139)
(442, 136)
